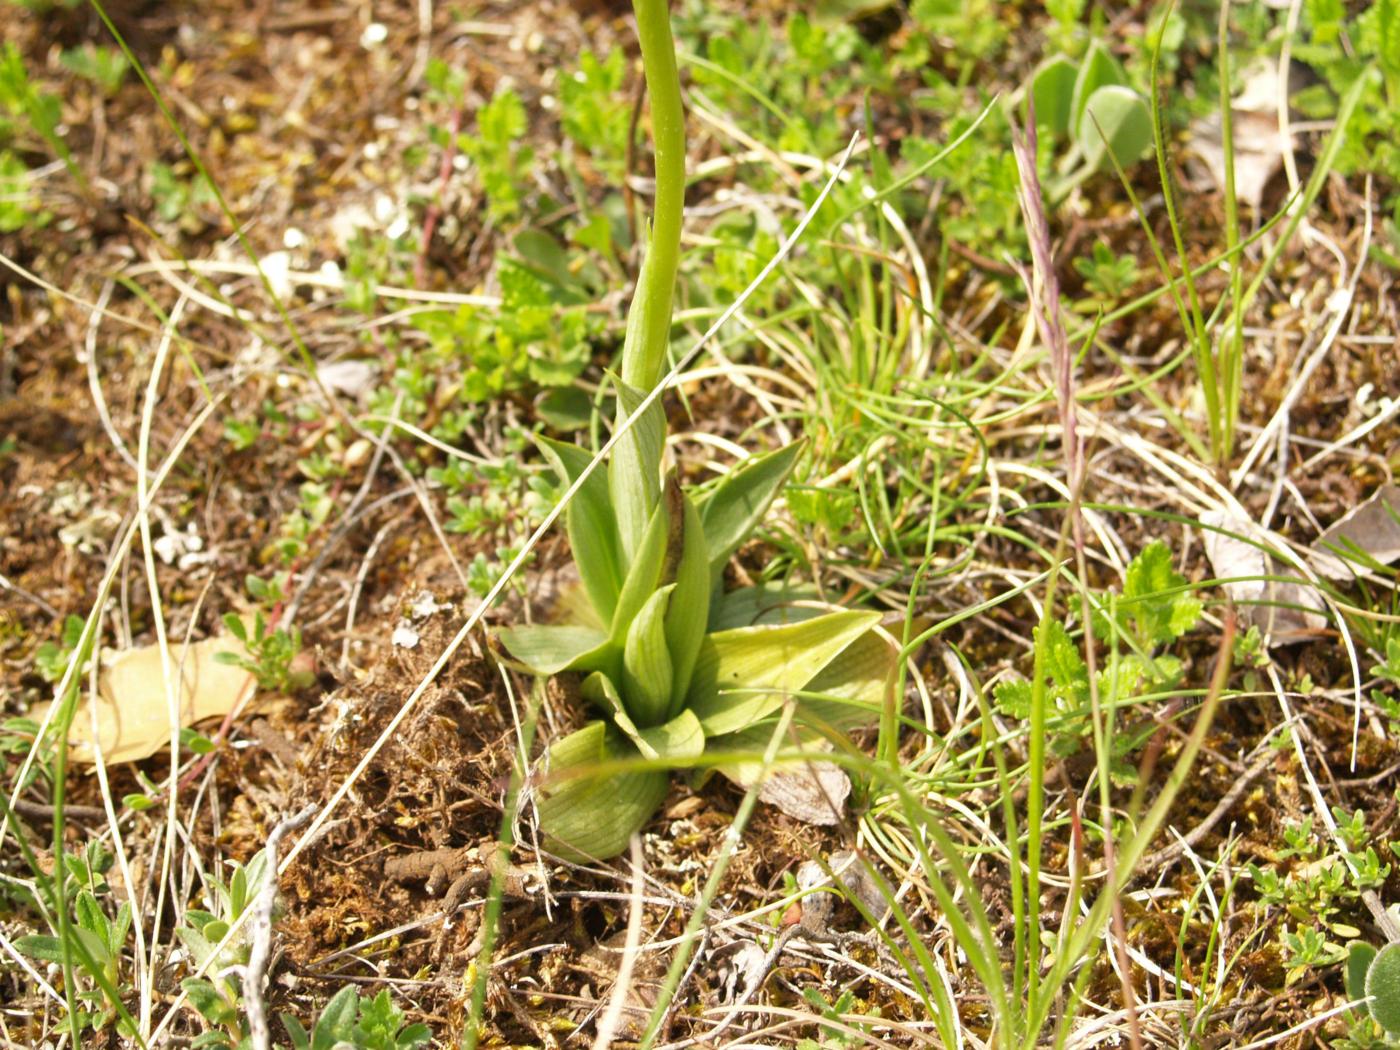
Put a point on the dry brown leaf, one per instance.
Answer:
(1259, 141)
(1373, 528)
(1284, 612)
(814, 792)
(133, 720)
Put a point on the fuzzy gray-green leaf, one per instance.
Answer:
(591, 526)
(739, 502)
(1383, 986)
(646, 663)
(592, 816)
(1360, 955)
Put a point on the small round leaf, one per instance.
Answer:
(1359, 958)
(1052, 93)
(1117, 122)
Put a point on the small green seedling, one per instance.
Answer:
(1090, 106)
(218, 998)
(352, 1020)
(1373, 977)
(661, 663)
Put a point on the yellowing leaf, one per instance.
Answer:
(133, 720)
(746, 673)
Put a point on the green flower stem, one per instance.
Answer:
(649, 321)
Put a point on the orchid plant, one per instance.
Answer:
(675, 682)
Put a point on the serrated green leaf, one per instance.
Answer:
(1013, 697)
(1097, 69)
(1117, 123)
(587, 816)
(744, 674)
(634, 474)
(550, 648)
(1153, 609)
(591, 526)
(1063, 663)
(646, 663)
(688, 612)
(739, 502)
(1052, 92)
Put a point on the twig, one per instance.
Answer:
(260, 933)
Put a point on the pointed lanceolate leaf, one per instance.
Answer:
(739, 502)
(591, 526)
(634, 475)
(592, 815)
(551, 648)
(744, 674)
(689, 610)
(646, 663)
(645, 573)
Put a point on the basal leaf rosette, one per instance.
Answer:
(665, 685)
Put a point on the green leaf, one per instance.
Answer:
(634, 474)
(646, 663)
(739, 502)
(856, 683)
(591, 527)
(205, 998)
(1116, 122)
(1383, 986)
(550, 648)
(38, 946)
(688, 612)
(1359, 958)
(336, 1020)
(646, 571)
(1097, 69)
(1052, 93)
(587, 816)
(681, 739)
(744, 674)
(753, 741)
(296, 1032)
(1159, 616)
